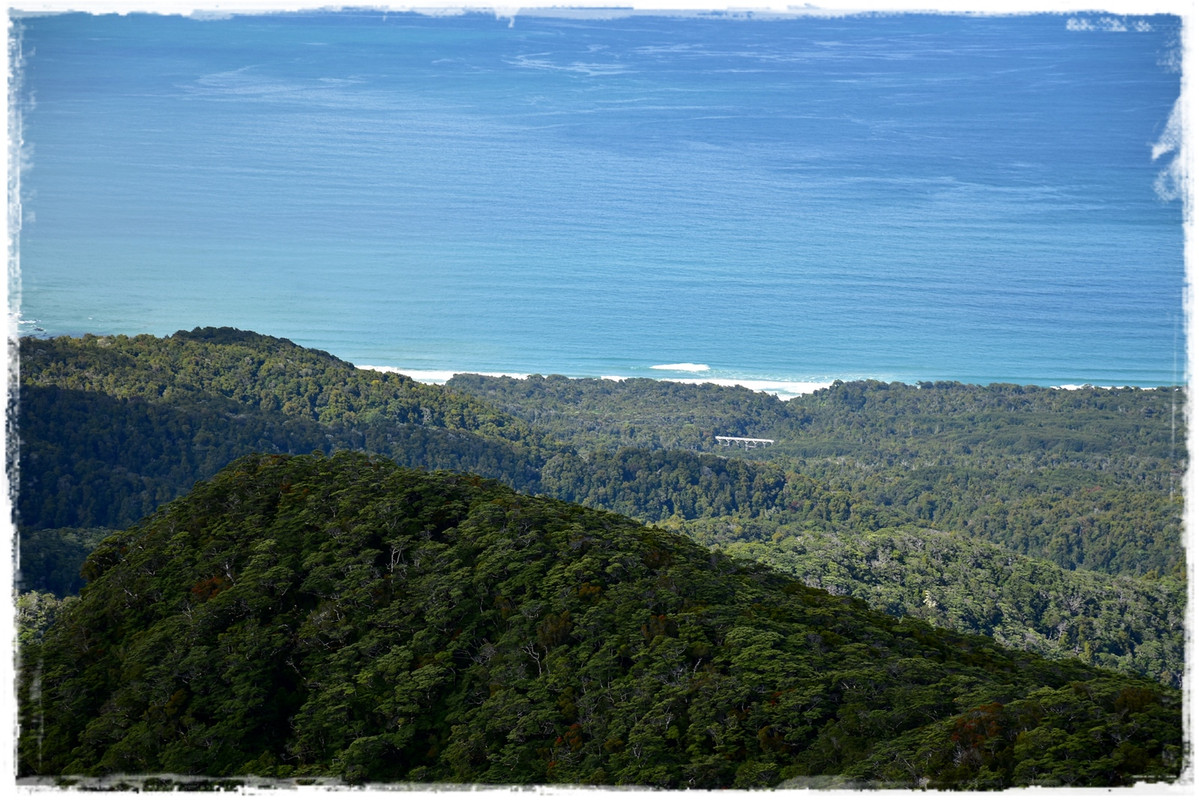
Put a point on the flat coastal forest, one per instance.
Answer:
(244, 560)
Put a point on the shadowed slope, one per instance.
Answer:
(314, 615)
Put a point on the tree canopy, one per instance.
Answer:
(1049, 519)
(313, 615)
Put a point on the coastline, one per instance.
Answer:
(783, 389)
(682, 372)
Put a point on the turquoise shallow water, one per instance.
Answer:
(901, 197)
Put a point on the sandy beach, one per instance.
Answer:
(782, 389)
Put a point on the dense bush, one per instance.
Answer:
(313, 616)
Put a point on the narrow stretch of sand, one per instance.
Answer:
(782, 389)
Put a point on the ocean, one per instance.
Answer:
(715, 197)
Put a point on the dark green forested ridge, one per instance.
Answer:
(1086, 477)
(90, 459)
(49, 559)
(112, 427)
(259, 371)
(605, 414)
(342, 615)
(845, 419)
(964, 584)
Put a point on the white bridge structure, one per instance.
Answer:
(748, 444)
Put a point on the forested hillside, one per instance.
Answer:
(310, 615)
(962, 583)
(111, 427)
(605, 414)
(999, 481)
(1086, 477)
(256, 371)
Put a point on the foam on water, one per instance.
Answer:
(782, 389)
(438, 376)
(683, 367)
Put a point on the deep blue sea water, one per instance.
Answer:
(908, 197)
